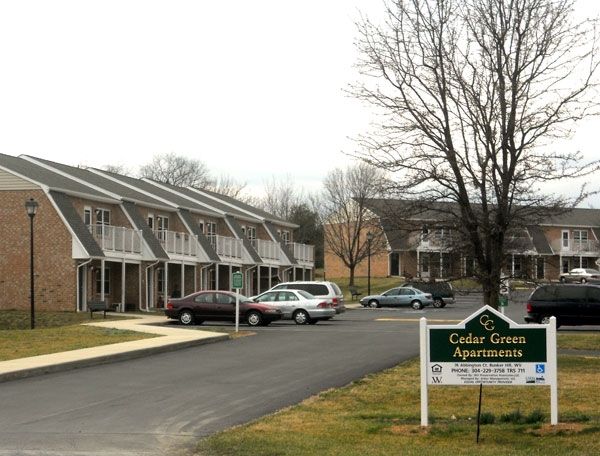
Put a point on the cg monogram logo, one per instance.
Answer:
(487, 322)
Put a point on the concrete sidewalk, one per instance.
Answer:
(170, 338)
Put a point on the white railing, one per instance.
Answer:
(267, 250)
(178, 243)
(574, 246)
(304, 252)
(227, 247)
(434, 241)
(117, 238)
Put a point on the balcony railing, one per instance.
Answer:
(435, 241)
(227, 247)
(573, 246)
(178, 243)
(267, 250)
(304, 252)
(117, 238)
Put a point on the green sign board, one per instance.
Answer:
(237, 280)
(487, 337)
(488, 348)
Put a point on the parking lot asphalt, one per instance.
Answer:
(169, 338)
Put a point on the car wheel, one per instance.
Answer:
(545, 320)
(583, 280)
(373, 304)
(438, 303)
(563, 279)
(254, 318)
(416, 305)
(301, 317)
(186, 317)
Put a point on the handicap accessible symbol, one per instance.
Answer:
(540, 368)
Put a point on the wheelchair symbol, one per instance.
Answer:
(540, 368)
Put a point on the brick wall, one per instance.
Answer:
(54, 269)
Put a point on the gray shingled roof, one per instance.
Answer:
(51, 179)
(105, 184)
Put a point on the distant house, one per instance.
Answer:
(132, 242)
(425, 245)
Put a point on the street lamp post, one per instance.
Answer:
(369, 239)
(31, 206)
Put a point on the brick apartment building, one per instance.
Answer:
(132, 242)
(428, 249)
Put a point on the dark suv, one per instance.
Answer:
(570, 304)
(441, 292)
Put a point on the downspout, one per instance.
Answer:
(79, 306)
(147, 294)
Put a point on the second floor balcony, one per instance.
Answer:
(178, 243)
(304, 253)
(227, 247)
(117, 238)
(267, 250)
(575, 247)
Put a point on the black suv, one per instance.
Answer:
(441, 292)
(571, 304)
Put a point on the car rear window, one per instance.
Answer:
(560, 293)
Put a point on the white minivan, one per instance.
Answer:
(320, 289)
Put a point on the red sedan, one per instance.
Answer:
(213, 305)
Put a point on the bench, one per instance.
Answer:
(99, 306)
(354, 293)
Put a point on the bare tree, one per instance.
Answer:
(472, 94)
(117, 169)
(226, 185)
(177, 170)
(347, 220)
(280, 196)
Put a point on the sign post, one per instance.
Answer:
(488, 349)
(237, 283)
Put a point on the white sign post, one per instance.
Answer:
(237, 282)
(488, 348)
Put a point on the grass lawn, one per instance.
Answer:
(55, 332)
(380, 415)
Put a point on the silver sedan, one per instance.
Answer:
(582, 275)
(298, 305)
(399, 296)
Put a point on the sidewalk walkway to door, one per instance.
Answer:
(170, 338)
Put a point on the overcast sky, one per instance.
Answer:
(253, 89)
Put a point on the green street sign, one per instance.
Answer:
(237, 280)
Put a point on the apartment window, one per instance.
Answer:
(580, 237)
(251, 234)
(286, 236)
(565, 239)
(441, 233)
(151, 221)
(87, 215)
(211, 232)
(102, 221)
(162, 225)
(99, 282)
